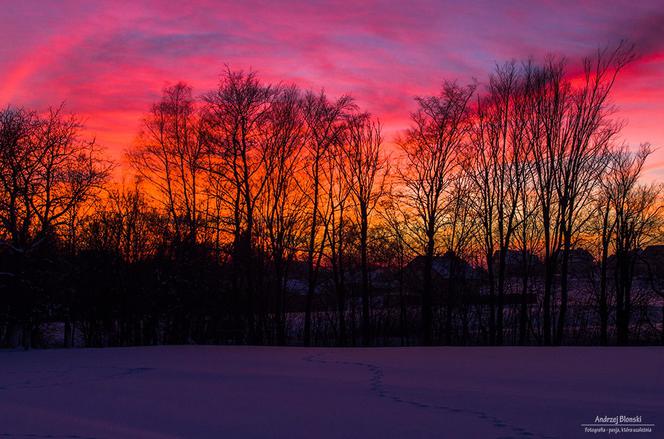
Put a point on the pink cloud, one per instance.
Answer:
(110, 60)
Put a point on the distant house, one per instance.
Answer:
(298, 287)
(581, 264)
(650, 263)
(518, 261)
(445, 268)
(458, 281)
(296, 297)
(383, 288)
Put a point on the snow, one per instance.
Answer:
(256, 392)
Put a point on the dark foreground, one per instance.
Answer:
(255, 392)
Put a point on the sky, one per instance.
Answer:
(109, 61)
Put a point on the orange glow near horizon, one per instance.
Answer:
(108, 63)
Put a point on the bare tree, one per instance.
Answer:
(636, 208)
(571, 129)
(547, 105)
(238, 116)
(364, 170)
(170, 155)
(582, 153)
(457, 238)
(47, 172)
(337, 227)
(18, 165)
(396, 220)
(497, 164)
(324, 128)
(430, 147)
(283, 202)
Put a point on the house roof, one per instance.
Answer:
(447, 265)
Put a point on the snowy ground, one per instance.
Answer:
(230, 392)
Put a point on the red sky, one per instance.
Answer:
(109, 60)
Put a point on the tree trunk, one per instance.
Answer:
(560, 330)
(427, 294)
(366, 329)
(603, 302)
(501, 296)
(548, 286)
(523, 314)
(492, 298)
(280, 305)
(68, 333)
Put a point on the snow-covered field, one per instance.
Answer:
(255, 392)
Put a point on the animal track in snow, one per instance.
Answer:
(377, 386)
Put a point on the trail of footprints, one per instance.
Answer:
(377, 386)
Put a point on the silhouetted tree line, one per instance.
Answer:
(509, 213)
